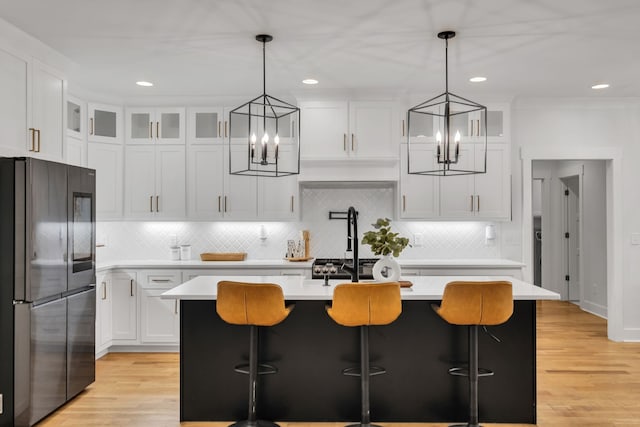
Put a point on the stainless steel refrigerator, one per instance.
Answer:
(47, 287)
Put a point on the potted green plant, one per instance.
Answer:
(388, 244)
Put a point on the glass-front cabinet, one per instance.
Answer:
(76, 111)
(104, 123)
(155, 125)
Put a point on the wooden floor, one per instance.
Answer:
(583, 380)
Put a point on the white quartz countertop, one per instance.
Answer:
(282, 263)
(299, 288)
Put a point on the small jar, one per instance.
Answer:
(185, 252)
(174, 253)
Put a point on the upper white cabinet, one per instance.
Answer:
(342, 130)
(278, 197)
(419, 194)
(155, 125)
(105, 123)
(75, 152)
(31, 108)
(206, 125)
(107, 160)
(155, 178)
(13, 104)
(487, 195)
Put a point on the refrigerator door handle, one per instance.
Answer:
(21, 301)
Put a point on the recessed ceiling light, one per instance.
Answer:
(600, 86)
(477, 79)
(145, 84)
(310, 81)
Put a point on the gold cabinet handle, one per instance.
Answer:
(33, 139)
(104, 290)
(131, 287)
(471, 202)
(478, 203)
(158, 130)
(91, 126)
(219, 208)
(157, 203)
(38, 133)
(404, 203)
(150, 130)
(292, 203)
(219, 128)
(175, 307)
(402, 127)
(478, 127)
(293, 129)
(352, 138)
(150, 203)
(344, 142)
(225, 128)
(225, 203)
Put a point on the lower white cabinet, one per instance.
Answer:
(125, 306)
(159, 318)
(104, 313)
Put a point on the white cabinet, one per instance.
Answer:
(342, 130)
(486, 195)
(75, 151)
(205, 185)
(107, 160)
(105, 123)
(240, 192)
(419, 194)
(13, 104)
(104, 313)
(159, 318)
(125, 306)
(155, 125)
(206, 125)
(156, 182)
(31, 108)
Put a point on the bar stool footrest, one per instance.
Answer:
(355, 372)
(262, 370)
(257, 423)
(362, 425)
(464, 372)
(465, 425)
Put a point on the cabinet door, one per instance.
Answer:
(240, 192)
(104, 315)
(457, 192)
(48, 111)
(125, 306)
(140, 195)
(13, 105)
(372, 129)
(105, 123)
(140, 126)
(170, 182)
(205, 185)
(159, 318)
(419, 193)
(205, 125)
(493, 189)
(169, 125)
(75, 151)
(76, 117)
(323, 130)
(278, 196)
(107, 160)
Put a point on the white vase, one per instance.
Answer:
(386, 269)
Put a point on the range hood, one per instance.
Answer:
(375, 169)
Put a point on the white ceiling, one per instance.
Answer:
(207, 47)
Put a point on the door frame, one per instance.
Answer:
(613, 156)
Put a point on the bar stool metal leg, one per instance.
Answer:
(365, 380)
(473, 379)
(252, 420)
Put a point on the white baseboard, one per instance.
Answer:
(593, 308)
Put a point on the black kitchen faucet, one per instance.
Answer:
(352, 236)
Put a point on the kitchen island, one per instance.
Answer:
(310, 351)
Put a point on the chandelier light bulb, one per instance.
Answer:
(457, 137)
(438, 137)
(265, 138)
(253, 138)
(276, 139)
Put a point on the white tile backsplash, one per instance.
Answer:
(151, 240)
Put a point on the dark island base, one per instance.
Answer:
(310, 351)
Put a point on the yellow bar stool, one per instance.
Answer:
(254, 305)
(363, 305)
(475, 304)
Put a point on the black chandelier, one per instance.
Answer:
(264, 133)
(443, 122)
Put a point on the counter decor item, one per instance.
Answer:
(185, 252)
(388, 244)
(298, 251)
(223, 256)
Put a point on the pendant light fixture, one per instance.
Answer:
(451, 127)
(264, 133)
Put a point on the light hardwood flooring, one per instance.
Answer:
(583, 380)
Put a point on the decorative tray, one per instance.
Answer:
(299, 259)
(223, 256)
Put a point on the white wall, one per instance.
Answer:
(607, 129)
